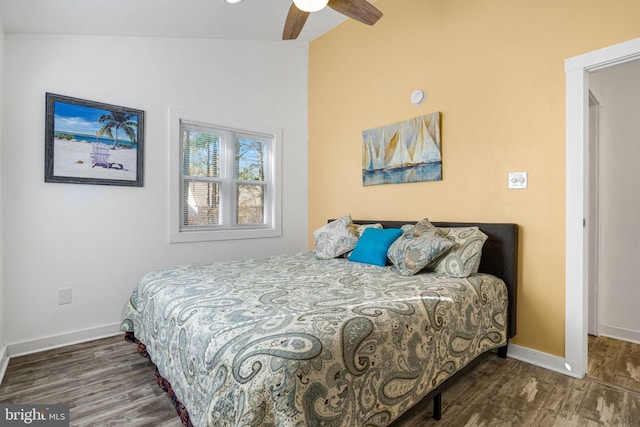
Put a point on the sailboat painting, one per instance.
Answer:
(407, 151)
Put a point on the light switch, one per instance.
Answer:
(518, 180)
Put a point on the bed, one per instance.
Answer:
(293, 340)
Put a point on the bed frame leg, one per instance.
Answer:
(437, 406)
(502, 351)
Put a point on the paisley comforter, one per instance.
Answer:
(296, 341)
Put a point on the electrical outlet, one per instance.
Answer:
(518, 180)
(64, 296)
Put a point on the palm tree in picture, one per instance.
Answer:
(113, 122)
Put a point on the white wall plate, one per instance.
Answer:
(518, 180)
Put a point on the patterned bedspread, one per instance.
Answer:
(295, 341)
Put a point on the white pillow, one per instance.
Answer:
(336, 238)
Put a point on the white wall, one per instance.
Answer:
(3, 358)
(99, 240)
(618, 90)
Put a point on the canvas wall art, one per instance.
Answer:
(88, 142)
(407, 151)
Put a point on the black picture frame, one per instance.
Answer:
(88, 142)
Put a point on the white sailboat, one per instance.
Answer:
(430, 151)
(413, 144)
(396, 155)
(373, 152)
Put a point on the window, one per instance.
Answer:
(225, 179)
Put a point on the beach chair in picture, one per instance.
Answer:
(100, 156)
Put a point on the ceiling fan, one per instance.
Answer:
(360, 10)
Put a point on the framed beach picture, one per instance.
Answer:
(89, 142)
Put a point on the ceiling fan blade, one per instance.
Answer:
(360, 10)
(296, 19)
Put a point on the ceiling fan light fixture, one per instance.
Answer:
(311, 5)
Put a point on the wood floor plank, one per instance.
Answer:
(106, 383)
(631, 411)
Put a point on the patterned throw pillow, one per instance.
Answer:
(360, 228)
(463, 259)
(419, 246)
(335, 238)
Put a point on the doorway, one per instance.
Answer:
(577, 71)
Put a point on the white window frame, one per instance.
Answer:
(272, 202)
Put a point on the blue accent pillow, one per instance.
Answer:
(373, 245)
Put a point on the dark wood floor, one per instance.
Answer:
(106, 383)
(507, 392)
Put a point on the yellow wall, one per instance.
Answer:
(495, 69)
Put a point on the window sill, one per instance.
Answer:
(214, 235)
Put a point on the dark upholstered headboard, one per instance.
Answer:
(499, 255)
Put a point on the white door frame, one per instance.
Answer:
(592, 207)
(577, 131)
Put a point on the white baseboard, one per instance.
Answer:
(538, 358)
(619, 333)
(48, 343)
(4, 361)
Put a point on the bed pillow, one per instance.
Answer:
(464, 258)
(419, 246)
(335, 238)
(359, 228)
(373, 245)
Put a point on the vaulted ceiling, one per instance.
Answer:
(248, 20)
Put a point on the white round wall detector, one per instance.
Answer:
(417, 97)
